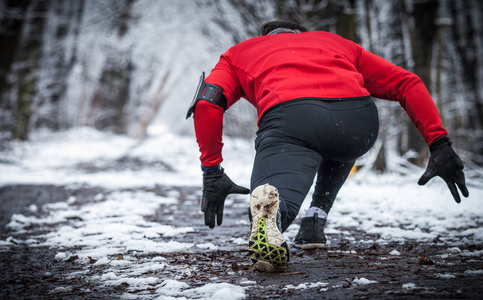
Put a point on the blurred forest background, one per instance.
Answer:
(124, 65)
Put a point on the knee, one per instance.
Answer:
(288, 215)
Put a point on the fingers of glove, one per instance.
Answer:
(236, 189)
(459, 162)
(426, 177)
(204, 204)
(219, 215)
(454, 191)
(209, 220)
(214, 210)
(463, 189)
(459, 179)
(209, 217)
(207, 201)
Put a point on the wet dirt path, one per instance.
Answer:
(349, 268)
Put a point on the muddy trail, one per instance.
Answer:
(350, 268)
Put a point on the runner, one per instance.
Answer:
(312, 91)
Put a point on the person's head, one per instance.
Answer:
(270, 26)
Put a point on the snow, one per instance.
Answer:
(33, 208)
(306, 285)
(390, 206)
(454, 250)
(395, 207)
(172, 289)
(445, 276)
(476, 253)
(473, 272)
(408, 286)
(248, 282)
(60, 256)
(209, 246)
(363, 281)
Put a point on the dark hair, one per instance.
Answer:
(267, 27)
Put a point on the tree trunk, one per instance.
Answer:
(20, 87)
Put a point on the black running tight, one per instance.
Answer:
(301, 138)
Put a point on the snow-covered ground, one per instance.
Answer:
(391, 206)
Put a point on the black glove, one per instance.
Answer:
(216, 186)
(445, 163)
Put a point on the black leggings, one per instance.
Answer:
(300, 138)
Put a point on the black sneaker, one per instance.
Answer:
(267, 247)
(311, 233)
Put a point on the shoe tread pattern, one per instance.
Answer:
(262, 250)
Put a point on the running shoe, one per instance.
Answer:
(267, 247)
(311, 233)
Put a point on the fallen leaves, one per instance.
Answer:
(291, 273)
(424, 260)
(91, 260)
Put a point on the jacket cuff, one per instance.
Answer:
(211, 170)
(439, 143)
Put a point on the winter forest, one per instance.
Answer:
(125, 66)
(100, 181)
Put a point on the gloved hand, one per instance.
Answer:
(445, 163)
(216, 187)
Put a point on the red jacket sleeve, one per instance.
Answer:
(208, 117)
(387, 81)
(208, 121)
(223, 75)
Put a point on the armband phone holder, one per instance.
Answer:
(208, 92)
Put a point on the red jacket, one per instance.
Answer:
(271, 69)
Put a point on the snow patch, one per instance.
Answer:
(115, 223)
(476, 253)
(33, 208)
(445, 276)
(409, 286)
(363, 281)
(60, 256)
(209, 291)
(306, 285)
(454, 250)
(209, 246)
(239, 241)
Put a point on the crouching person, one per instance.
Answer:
(312, 91)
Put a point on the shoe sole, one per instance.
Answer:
(311, 246)
(267, 245)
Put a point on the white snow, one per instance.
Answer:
(445, 276)
(473, 272)
(476, 253)
(306, 285)
(180, 290)
(239, 241)
(454, 250)
(33, 208)
(209, 246)
(247, 282)
(409, 286)
(60, 256)
(390, 206)
(363, 281)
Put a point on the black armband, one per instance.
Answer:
(208, 92)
